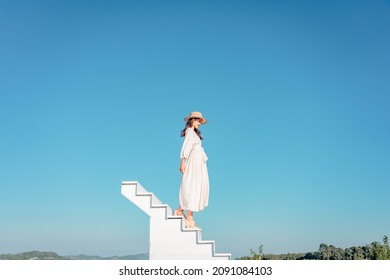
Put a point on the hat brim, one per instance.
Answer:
(203, 120)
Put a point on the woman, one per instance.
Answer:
(194, 188)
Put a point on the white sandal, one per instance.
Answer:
(191, 224)
(179, 212)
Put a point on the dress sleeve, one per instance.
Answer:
(189, 141)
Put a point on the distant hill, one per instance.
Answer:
(37, 255)
(33, 255)
(128, 257)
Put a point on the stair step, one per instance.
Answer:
(169, 239)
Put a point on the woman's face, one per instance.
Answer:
(196, 123)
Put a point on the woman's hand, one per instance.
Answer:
(183, 166)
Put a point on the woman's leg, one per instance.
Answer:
(190, 223)
(179, 212)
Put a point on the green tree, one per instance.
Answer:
(381, 251)
(327, 252)
(255, 255)
(324, 252)
(354, 253)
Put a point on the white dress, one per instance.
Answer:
(194, 188)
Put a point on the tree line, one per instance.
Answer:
(38, 255)
(33, 255)
(374, 251)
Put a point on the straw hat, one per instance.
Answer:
(196, 115)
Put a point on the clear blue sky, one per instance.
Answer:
(93, 93)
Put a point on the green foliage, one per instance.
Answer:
(330, 252)
(128, 257)
(357, 253)
(374, 251)
(380, 251)
(288, 256)
(255, 255)
(33, 255)
(36, 255)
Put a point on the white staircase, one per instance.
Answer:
(169, 239)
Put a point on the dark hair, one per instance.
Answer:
(189, 124)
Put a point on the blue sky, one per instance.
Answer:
(93, 93)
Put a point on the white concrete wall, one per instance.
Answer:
(169, 240)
